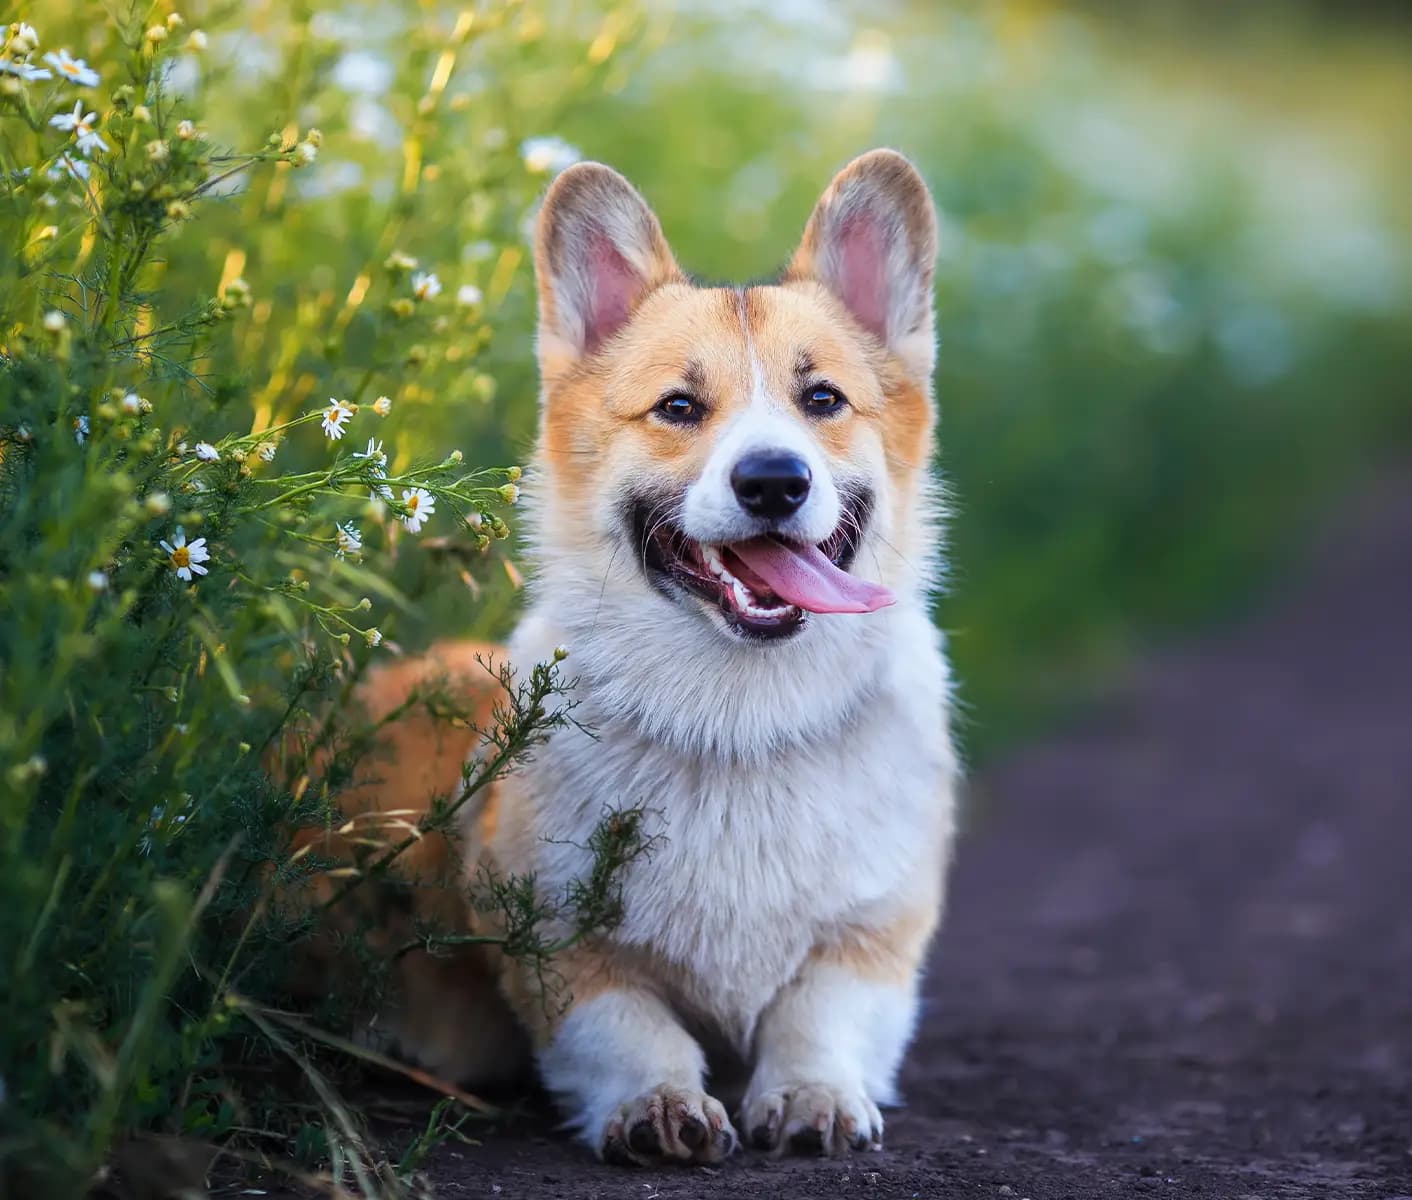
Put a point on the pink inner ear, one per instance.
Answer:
(862, 261)
(613, 289)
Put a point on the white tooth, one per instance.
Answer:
(742, 596)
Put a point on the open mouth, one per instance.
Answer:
(764, 586)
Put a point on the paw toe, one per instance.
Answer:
(668, 1125)
(813, 1119)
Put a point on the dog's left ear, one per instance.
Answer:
(872, 243)
(598, 251)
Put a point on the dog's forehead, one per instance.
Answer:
(727, 342)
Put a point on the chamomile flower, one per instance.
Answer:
(468, 295)
(80, 124)
(373, 637)
(97, 581)
(72, 69)
(350, 541)
(207, 452)
(380, 491)
(373, 453)
(336, 416)
(67, 166)
(382, 405)
(185, 558)
(26, 71)
(23, 38)
(186, 130)
(197, 39)
(425, 285)
(266, 450)
(420, 504)
(54, 321)
(131, 404)
(81, 429)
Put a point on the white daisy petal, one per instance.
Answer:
(336, 416)
(73, 70)
(420, 505)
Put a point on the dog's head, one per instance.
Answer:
(753, 457)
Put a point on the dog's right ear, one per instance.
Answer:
(598, 250)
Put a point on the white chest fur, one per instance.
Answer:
(757, 856)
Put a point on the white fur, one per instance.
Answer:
(800, 791)
(797, 788)
(612, 1049)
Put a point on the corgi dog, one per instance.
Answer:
(734, 532)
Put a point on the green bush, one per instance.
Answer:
(216, 505)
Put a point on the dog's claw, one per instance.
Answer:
(812, 1119)
(668, 1125)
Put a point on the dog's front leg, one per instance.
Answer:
(828, 1047)
(629, 1077)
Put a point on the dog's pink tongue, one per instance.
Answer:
(804, 576)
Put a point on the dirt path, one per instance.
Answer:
(1178, 960)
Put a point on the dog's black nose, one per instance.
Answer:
(771, 484)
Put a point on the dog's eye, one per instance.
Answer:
(822, 400)
(679, 408)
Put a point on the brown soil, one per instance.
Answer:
(1178, 958)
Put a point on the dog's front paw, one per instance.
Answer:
(812, 1118)
(668, 1124)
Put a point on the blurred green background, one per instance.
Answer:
(1173, 292)
(1173, 295)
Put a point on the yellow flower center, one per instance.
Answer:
(412, 503)
(181, 557)
(69, 68)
